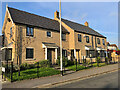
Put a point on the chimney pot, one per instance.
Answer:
(56, 15)
(86, 23)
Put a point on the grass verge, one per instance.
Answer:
(80, 67)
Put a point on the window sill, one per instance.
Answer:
(49, 37)
(30, 59)
(64, 40)
(30, 37)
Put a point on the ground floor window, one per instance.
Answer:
(102, 53)
(64, 53)
(9, 54)
(87, 53)
(90, 53)
(29, 53)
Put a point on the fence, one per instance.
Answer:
(11, 71)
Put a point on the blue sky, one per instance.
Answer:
(101, 16)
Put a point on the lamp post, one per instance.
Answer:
(61, 63)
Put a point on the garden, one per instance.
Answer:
(44, 68)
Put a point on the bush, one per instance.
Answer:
(70, 62)
(106, 60)
(66, 62)
(98, 60)
(58, 61)
(24, 66)
(44, 63)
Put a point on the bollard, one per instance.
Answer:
(11, 71)
(38, 69)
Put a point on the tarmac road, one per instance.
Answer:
(109, 80)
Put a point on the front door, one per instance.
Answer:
(49, 55)
(72, 54)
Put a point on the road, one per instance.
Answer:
(109, 80)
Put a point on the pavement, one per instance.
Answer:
(45, 82)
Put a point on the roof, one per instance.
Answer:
(22, 17)
(81, 28)
(49, 44)
(113, 45)
(0, 41)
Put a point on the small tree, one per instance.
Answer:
(98, 60)
(20, 41)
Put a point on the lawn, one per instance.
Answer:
(100, 64)
(80, 67)
(32, 73)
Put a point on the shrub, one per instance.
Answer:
(58, 61)
(70, 62)
(44, 63)
(66, 62)
(106, 60)
(24, 66)
(98, 60)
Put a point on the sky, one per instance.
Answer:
(101, 16)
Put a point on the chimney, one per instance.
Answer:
(56, 14)
(86, 23)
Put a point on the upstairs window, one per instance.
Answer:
(48, 34)
(30, 31)
(87, 39)
(98, 40)
(64, 37)
(103, 42)
(29, 53)
(11, 32)
(79, 38)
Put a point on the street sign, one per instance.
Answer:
(3, 69)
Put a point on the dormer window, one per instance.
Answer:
(29, 31)
(48, 34)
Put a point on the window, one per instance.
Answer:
(64, 37)
(79, 38)
(103, 42)
(102, 53)
(90, 53)
(48, 34)
(87, 53)
(64, 53)
(87, 39)
(29, 53)
(11, 32)
(30, 31)
(98, 40)
(9, 54)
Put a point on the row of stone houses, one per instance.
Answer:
(31, 38)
